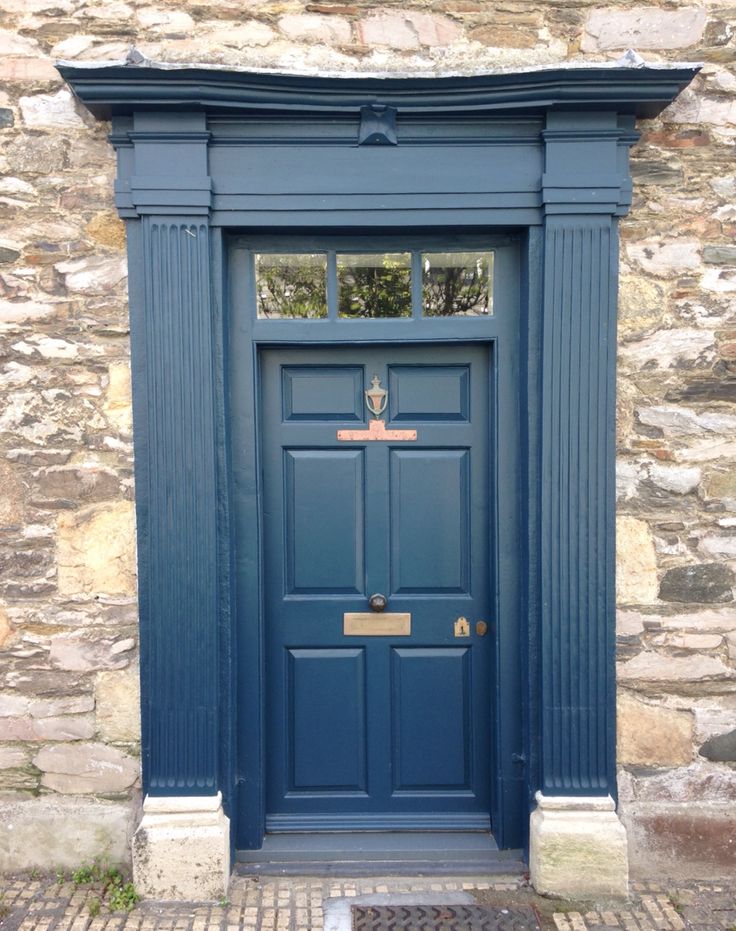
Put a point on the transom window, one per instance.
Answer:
(373, 285)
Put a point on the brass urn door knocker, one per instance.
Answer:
(376, 399)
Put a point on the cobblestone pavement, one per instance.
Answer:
(290, 904)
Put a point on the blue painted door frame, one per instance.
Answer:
(204, 153)
(502, 335)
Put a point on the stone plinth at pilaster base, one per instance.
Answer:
(577, 847)
(181, 849)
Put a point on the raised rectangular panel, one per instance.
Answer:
(327, 733)
(324, 528)
(430, 522)
(429, 392)
(430, 690)
(322, 392)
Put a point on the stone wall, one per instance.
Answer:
(68, 695)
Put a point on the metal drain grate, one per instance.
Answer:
(443, 918)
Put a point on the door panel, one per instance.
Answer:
(430, 518)
(432, 694)
(326, 733)
(376, 731)
(323, 546)
(429, 392)
(323, 392)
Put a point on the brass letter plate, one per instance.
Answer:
(372, 624)
(376, 431)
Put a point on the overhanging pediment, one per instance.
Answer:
(628, 86)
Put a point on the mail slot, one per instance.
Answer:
(370, 624)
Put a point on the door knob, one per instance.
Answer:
(378, 602)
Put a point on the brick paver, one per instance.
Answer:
(296, 904)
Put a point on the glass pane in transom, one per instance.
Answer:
(293, 285)
(374, 285)
(457, 284)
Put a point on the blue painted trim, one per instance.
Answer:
(176, 483)
(115, 89)
(577, 513)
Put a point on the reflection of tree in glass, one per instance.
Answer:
(375, 290)
(457, 288)
(291, 290)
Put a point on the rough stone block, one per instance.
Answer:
(248, 35)
(12, 496)
(181, 849)
(636, 562)
(16, 70)
(107, 229)
(8, 256)
(680, 480)
(665, 258)
(721, 748)
(78, 769)
(681, 421)
(691, 107)
(721, 484)
(84, 651)
(668, 349)
(6, 630)
(577, 848)
(720, 280)
(672, 841)
(694, 641)
(118, 398)
(407, 29)
(165, 21)
(13, 44)
(651, 735)
(13, 757)
(52, 832)
(51, 110)
(118, 705)
(654, 667)
(93, 274)
(644, 27)
(311, 27)
(707, 583)
(64, 727)
(719, 255)
(96, 550)
(641, 304)
(500, 36)
(718, 546)
(707, 450)
(65, 486)
(699, 782)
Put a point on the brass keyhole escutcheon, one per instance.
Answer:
(481, 628)
(462, 628)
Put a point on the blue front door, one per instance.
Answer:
(377, 720)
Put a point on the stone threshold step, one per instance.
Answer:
(510, 869)
(371, 853)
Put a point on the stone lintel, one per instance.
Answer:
(577, 847)
(181, 849)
